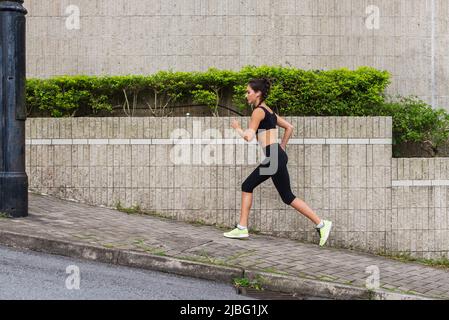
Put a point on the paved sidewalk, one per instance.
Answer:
(70, 222)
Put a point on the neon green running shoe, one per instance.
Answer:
(237, 234)
(324, 232)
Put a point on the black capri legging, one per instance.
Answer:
(280, 176)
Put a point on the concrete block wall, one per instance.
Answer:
(340, 166)
(420, 198)
(144, 36)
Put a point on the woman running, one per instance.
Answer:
(263, 119)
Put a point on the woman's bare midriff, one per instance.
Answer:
(267, 137)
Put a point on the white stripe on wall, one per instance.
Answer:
(200, 141)
(77, 141)
(419, 183)
(98, 141)
(40, 141)
(119, 141)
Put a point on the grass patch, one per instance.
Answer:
(133, 210)
(221, 227)
(206, 259)
(108, 245)
(159, 253)
(140, 243)
(371, 294)
(4, 215)
(240, 254)
(254, 231)
(197, 223)
(248, 283)
(442, 262)
(136, 210)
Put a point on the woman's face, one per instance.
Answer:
(251, 96)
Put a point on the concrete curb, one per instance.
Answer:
(274, 282)
(121, 257)
(325, 289)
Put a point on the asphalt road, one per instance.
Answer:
(30, 275)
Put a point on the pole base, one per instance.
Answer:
(14, 194)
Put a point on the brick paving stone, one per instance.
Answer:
(435, 292)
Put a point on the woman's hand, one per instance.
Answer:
(235, 124)
(283, 147)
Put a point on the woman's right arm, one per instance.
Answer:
(288, 130)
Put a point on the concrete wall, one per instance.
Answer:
(144, 36)
(420, 190)
(341, 166)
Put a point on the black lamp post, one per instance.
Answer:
(13, 178)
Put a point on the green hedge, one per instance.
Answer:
(339, 92)
(415, 121)
(295, 92)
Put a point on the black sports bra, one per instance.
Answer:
(269, 122)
